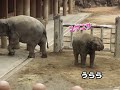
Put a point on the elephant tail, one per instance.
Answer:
(47, 44)
(46, 38)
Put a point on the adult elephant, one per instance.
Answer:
(24, 29)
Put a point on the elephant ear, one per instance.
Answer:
(91, 44)
(11, 32)
(10, 29)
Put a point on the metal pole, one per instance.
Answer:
(91, 31)
(102, 33)
(111, 40)
(61, 34)
(71, 38)
(117, 38)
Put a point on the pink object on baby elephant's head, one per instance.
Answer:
(4, 85)
(76, 88)
(39, 86)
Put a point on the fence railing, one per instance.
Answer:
(114, 33)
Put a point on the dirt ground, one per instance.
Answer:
(57, 71)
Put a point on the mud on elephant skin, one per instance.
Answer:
(24, 29)
(86, 44)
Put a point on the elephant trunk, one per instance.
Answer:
(100, 47)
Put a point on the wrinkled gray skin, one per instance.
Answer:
(86, 44)
(24, 29)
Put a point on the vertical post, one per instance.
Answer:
(111, 39)
(119, 3)
(55, 7)
(19, 7)
(70, 6)
(117, 38)
(45, 10)
(61, 33)
(64, 7)
(59, 3)
(26, 7)
(73, 4)
(57, 42)
(38, 8)
(14, 7)
(101, 33)
(51, 6)
(81, 31)
(33, 8)
(91, 31)
(3, 42)
(71, 38)
(4, 10)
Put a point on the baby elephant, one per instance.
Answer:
(86, 44)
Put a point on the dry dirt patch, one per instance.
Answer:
(58, 72)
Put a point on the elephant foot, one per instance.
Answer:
(11, 53)
(31, 56)
(44, 56)
(91, 66)
(83, 66)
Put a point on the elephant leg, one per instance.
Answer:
(83, 60)
(17, 46)
(92, 57)
(11, 47)
(76, 59)
(43, 49)
(11, 50)
(31, 51)
(13, 41)
(27, 47)
(40, 47)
